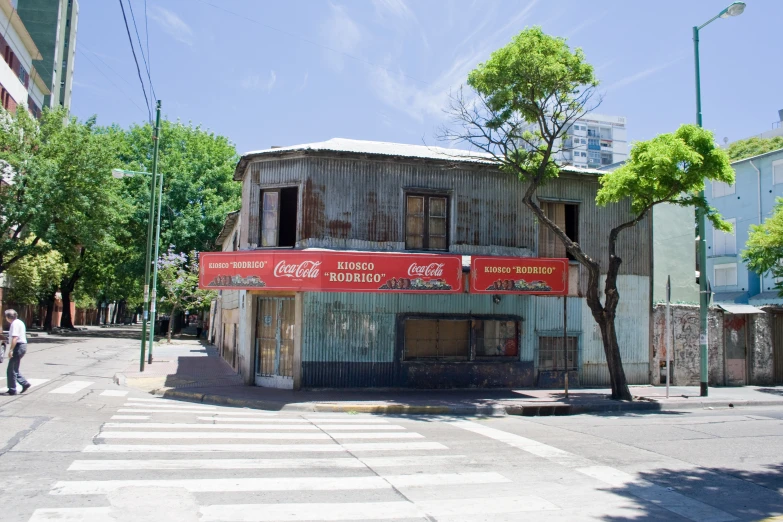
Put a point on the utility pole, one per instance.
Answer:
(150, 230)
(154, 294)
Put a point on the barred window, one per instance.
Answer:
(551, 354)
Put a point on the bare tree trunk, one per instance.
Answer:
(171, 323)
(47, 324)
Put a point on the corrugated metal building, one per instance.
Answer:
(374, 197)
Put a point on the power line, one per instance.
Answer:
(313, 42)
(136, 60)
(147, 38)
(107, 77)
(141, 49)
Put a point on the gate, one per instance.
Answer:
(735, 333)
(777, 347)
(274, 342)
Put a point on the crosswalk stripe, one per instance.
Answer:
(72, 387)
(114, 393)
(263, 448)
(290, 463)
(165, 406)
(311, 511)
(379, 427)
(175, 425)
(34, 382)
(130, 417)
(377, 435)
(145, 409)
(97, 487)
(149, 410)
(90, 514)
(484, 506)
(297, 419)
(182, 435)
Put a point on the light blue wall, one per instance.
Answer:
(743, 206)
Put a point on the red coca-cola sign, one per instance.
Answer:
(329, 271)
(518, 275)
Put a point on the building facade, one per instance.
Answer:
(20, 82)
(52, 25)
(356, 198)
(595, 141)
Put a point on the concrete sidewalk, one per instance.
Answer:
(191, 370)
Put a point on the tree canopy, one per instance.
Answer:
(764, 248)
(527, 97)
(750, 147)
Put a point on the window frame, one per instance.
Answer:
(278, 189)
(472, 356)
(779, 165)
(724, 191)
(407, 193)
(716, 234)
(724, 266)
(557, 335)
(544, 203)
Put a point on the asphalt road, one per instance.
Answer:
(78, 447)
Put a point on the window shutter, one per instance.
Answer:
(777, 170)
(549, 245)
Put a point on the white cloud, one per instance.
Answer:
(172, 24)
(628, 80)
(418, 99)
(304, 81)
(272, 80)
(342, 36)
(254, 82)
(396, 8)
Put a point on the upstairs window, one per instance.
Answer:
(777, 172)
(725, 243)
(725, 275)
(720, 189)
(278, 215)
(566, 217)
(426, 222)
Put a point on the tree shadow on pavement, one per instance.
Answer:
(106, 333)
(745, 494)
(773, 391)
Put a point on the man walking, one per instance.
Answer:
(17, 335)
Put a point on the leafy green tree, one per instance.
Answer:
(198, 192)
(34, 279)
(178, 278)
(764, 248)
(753, 147)
(528, 95)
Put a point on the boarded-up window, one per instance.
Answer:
(460, 339)
(426, 222)
(437, 339)
(566, 217)
(551, 355)
(278, 217)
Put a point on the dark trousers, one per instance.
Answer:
(12, 374)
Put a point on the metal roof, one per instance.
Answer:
(740, 308)
(383, 149)
(228, 226)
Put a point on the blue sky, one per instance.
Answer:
(297, 71)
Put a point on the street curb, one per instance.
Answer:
(527, 410)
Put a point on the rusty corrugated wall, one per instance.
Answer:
(359, 203)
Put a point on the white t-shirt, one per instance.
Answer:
(17, 329)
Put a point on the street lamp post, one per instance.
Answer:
(120, 173)
(735, 9)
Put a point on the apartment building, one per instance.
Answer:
(20, 82)
(595, 141)
(52, 25)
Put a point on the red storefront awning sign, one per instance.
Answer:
(518, 275)
(328, 271)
